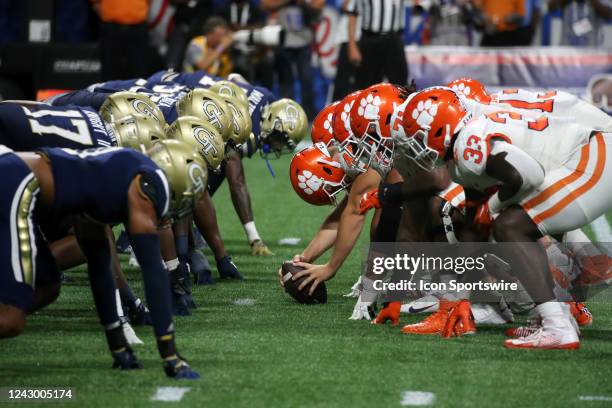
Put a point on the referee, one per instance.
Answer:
(379, 54)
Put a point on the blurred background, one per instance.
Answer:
(302, 48)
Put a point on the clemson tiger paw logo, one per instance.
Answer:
(424, 113)
(345, 115)
(327, 125)
(462, 89)
(369, 106)
(308, 182)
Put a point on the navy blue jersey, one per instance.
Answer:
(163, 96)
(26, 128)
(96, 181)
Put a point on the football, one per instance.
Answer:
(301, 296)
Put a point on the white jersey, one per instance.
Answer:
(555, 103)
(550, 140)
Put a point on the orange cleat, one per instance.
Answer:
(391, 311)
(434, 323)
(580, 312)
(460, 321)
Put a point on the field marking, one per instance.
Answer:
(594, 398)
(417, 398)
(601, 229)
(170, 394)
(245, 302)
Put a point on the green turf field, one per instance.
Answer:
(281, 354)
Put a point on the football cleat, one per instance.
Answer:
(460, 320)
(125, 359)
(581, 313)
(259, 248)
(492, 313)
(227, 269)
(176, 367)
(522, 331)
(390, 311)
(562, 337)
(434, 323)
(425, 304)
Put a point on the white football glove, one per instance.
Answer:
(365, 308)
(355, 289)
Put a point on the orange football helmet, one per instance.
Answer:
(322, 126)
(316, 177)
(430, 121)
(470, 88)
(371, 124)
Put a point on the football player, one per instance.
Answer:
(130, 188)
(547, 185)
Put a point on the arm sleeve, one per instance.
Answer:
(531, 172)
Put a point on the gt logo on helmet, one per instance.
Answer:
(197, 175)
(213, 113)
(292, 116)
(203, 136)
(141, 106)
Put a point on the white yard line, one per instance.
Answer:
(170, 394)
(595, 398)
(417, 398)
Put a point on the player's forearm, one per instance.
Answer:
(167, 245)
(350, 227)
(322, 241)
(239, 191)
(352, 29)
(205, 218)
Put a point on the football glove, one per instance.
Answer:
(125, 359)
(176, 367)
(368, 201)
(355, 290)
(390, 311)
(363, 310)
(227, 269)
(139, 315)
(259, 248)
(460, 320)
(181, 294)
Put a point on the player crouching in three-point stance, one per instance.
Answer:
(550, 175)
(102, 186)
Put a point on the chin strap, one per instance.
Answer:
(270, 169)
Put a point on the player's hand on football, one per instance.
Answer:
(126, 359)
(315, 274)
(177, 367)
(368, 201)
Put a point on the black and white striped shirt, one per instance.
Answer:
(379, 16)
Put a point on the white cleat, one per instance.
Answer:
(426, 304)
(133, 262)
(486, 313)
(555, 334)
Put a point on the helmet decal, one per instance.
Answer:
(308, 182)
(369, 107)
(292, 116)
(213, 113)
(141, 106)
(462, 88)
(197, 175)
(203, 136)
(424, 113)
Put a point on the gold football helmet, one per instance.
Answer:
(186, 173)
(126, 103)
(135, 131)
(230, 89)
(283, 126)
(207, 105)
(202, 136)
(241, 120)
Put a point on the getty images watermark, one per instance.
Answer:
(484, 271)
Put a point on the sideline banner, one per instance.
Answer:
(547, 67)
